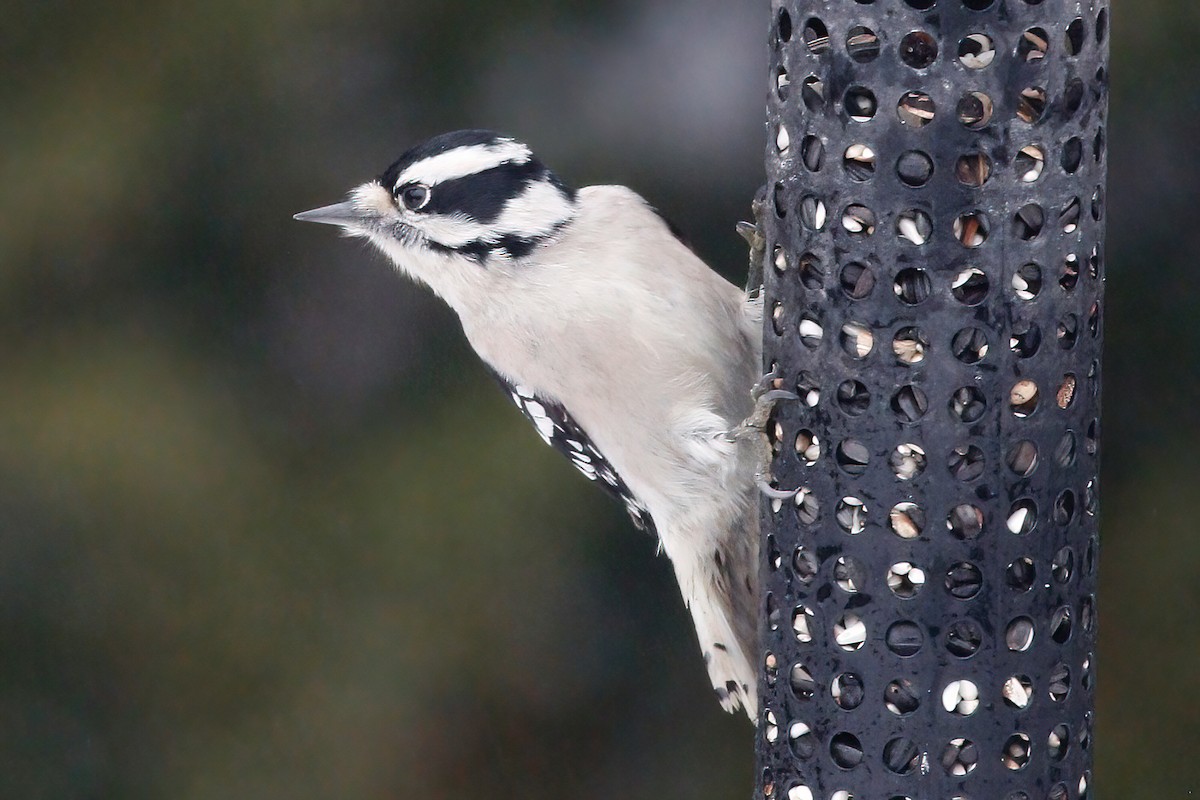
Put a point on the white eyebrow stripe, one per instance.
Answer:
(463, 161)
(534, 212)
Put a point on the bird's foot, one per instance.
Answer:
(765, 393)
(752, 232)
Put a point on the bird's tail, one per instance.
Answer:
(720, 587)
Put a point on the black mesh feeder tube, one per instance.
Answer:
(934, 267)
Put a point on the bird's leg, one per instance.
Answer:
(766, 392)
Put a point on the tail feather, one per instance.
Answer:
(730, 668)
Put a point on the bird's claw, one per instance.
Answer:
(769, 491)
(749, 231)
(766, 383)
(775, 395)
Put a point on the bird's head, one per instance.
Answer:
(461, 200)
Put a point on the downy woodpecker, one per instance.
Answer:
(626, 352)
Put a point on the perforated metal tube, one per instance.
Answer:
(934, 273)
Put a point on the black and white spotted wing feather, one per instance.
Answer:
(559, 430)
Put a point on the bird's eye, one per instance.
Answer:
(414, 196)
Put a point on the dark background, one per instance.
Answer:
(266, 528)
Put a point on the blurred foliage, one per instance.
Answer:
(262, 534)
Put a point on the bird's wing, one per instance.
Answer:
(559, 430)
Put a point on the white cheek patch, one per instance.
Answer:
(454, 230)
(463, 161)
(535, 212)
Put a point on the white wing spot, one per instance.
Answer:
(544, 426)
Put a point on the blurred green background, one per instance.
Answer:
(266, 528)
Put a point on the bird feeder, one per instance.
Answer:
(934, 267)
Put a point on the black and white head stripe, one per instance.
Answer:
(487, 194)
(559, 430)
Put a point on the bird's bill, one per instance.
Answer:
(342, 214)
